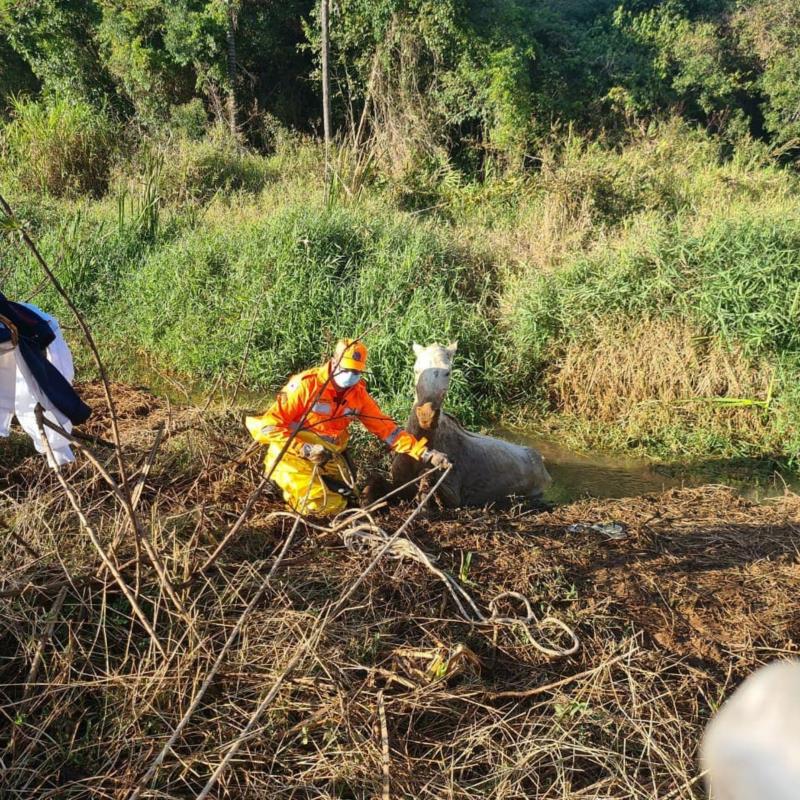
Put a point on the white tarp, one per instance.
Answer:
(19, 392)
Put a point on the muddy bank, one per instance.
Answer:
(696, 591)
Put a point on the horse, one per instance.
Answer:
(486, 470)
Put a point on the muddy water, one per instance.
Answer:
(602, 475)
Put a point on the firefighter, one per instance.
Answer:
(313, 470)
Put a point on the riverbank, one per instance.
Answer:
(641, 298)
(671, 615)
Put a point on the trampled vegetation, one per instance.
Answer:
(399, 694)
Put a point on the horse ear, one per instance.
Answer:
(452, 347)
(417, 349)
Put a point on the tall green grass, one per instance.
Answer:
(195, 169)
(282, 290)
(292, 284)
(59, 145)
(738, 278)
(735, 279)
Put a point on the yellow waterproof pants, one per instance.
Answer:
(294, 475)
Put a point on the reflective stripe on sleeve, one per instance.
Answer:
(392, 437)
(321, 408)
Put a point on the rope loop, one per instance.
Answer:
(495, 619)
(362, 536)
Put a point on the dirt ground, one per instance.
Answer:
(399, 693)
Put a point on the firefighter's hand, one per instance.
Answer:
(316, 453)
(436, 459)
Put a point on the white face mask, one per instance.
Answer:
(346, 378)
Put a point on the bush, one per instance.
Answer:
(719, 302)
(60, 146)
(196, 169)
(189, 120)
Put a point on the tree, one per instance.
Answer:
(326, 95)
(231, 39)
(57, 40)
(16, 77)
(771, 31)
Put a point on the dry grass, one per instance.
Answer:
(550, 230)
(657, 372)
(670, 618)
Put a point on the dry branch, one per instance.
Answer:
(86, 525)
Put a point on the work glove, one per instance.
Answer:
(436, 459)
(316, 453)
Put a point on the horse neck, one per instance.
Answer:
(417, 431)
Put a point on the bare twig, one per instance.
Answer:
(385, 760)
(44, 639)
(548, 687)
(126, 503)
(86, 525)
(139, 487)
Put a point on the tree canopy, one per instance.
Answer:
(447, 78)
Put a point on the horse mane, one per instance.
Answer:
(460, 427)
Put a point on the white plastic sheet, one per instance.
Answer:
(19, 392)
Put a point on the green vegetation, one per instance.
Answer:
(599, 200)
(62, 147)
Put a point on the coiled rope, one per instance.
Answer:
(363, 536)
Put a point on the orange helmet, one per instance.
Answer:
(350, 354)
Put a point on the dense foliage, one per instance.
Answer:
(452, 79)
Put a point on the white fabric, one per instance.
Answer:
(751, 749)
(19, 393)
(8, 388)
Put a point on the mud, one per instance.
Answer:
(698, 590)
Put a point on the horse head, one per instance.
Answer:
(432, 369)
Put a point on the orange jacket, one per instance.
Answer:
(330, 416)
